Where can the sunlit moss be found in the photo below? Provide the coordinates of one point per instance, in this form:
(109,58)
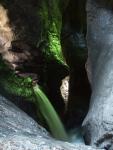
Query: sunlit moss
(54,43)
(51,22)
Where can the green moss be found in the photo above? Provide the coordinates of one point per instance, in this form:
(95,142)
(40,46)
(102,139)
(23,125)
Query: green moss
(13,84)
(51,22)
(54,43)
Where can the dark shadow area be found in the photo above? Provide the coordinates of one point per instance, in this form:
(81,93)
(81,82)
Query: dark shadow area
(76,53)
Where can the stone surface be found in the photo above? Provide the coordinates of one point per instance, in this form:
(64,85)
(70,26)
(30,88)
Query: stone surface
(98,124)
(20,132)
(64,89)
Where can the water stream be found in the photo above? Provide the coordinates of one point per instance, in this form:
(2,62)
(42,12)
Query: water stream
(49,114)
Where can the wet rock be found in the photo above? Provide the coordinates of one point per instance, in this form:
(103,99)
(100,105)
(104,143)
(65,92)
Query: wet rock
(19,131)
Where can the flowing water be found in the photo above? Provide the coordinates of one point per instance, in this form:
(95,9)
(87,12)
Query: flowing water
(49,114)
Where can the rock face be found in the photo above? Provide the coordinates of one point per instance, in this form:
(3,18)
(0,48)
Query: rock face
(19,131)
(98,124)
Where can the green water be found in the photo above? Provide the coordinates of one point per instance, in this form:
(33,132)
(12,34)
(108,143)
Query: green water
(49,114)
